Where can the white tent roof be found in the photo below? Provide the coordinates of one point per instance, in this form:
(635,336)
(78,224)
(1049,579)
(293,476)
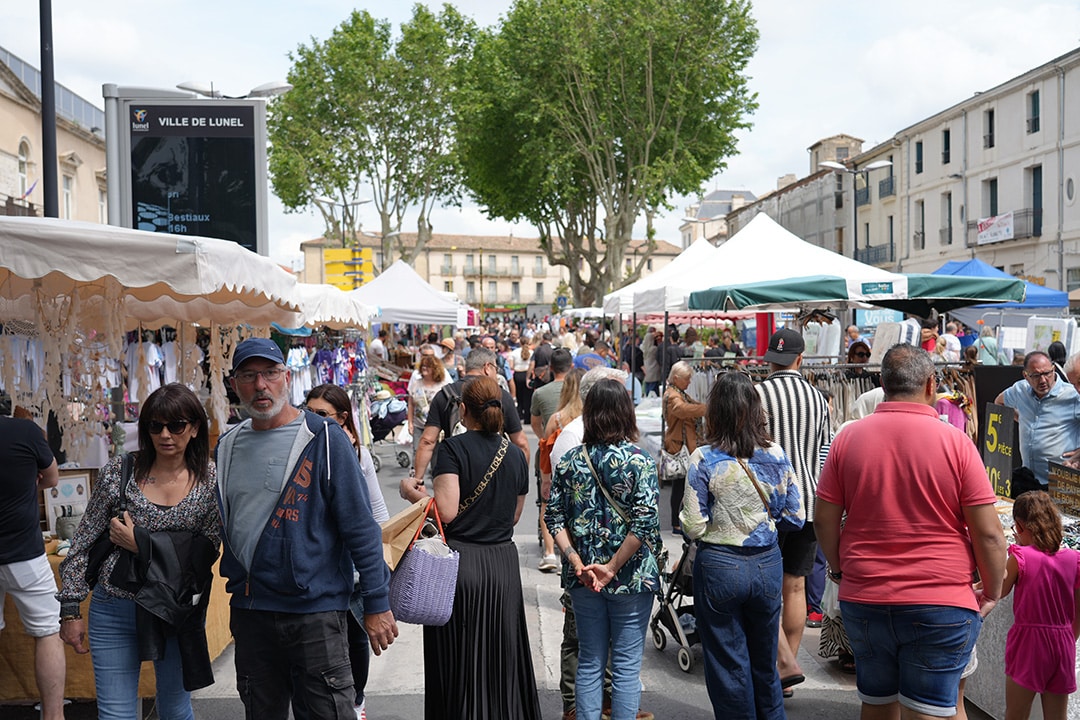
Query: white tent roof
(763,250)
(622,300)
(158,277)
(328,305)
(402,296)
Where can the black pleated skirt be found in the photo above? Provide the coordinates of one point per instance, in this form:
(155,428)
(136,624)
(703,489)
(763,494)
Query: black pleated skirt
(479,665)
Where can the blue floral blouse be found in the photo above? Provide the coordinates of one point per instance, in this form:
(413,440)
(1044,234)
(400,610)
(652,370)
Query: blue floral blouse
(722,507)
(596,529)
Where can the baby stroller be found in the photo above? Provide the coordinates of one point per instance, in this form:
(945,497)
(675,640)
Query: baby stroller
(388,412)
(675,614)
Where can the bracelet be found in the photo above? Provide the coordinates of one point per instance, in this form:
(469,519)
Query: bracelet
(69,618)
(836,575)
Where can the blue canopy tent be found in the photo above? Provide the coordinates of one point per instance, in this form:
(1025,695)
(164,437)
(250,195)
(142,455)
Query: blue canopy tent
(1038,300)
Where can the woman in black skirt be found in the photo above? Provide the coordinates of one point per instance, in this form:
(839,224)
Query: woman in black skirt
(479,666)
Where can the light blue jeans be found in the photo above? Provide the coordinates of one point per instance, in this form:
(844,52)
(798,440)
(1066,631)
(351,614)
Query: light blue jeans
(114,650)
(616,624)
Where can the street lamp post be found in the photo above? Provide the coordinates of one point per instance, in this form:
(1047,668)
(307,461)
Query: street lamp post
(322,201)
(854,172)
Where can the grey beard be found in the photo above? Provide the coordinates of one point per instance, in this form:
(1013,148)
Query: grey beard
(277,407)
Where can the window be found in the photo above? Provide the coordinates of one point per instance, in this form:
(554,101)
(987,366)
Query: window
(629,266)
(946,218)
(448,286)
(1016,269)
(470,263)
(493,263)
(470,291)
(892,236)
(493,290)
(67,189)
(102,207)
(946,151)
(648,264)
(24,167)
(918,157)
(1072,279)
(515,291)
(514,260)
(919,240)
(988,129)
(538,269)
(1033,112)
(540,292)
(990,197)
(447,259)
(842,152)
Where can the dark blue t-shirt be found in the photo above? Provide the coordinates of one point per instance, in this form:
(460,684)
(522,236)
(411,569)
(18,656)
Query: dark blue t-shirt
(23,452)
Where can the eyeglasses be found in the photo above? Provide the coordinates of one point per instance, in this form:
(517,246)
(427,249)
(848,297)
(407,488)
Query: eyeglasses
(324,413)
(1038,375)
(175,426)
(866,355)
(249,376)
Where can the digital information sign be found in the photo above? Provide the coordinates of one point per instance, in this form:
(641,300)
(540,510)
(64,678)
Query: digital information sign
(197,167)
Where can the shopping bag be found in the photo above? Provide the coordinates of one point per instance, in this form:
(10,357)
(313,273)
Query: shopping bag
(423,585)
(830,600)
(398,532)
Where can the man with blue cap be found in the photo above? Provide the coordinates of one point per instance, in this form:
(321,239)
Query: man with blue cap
(296,521)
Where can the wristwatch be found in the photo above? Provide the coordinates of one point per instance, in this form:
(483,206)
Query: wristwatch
(836,575)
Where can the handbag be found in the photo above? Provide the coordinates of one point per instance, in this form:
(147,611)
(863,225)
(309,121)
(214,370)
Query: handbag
(398,532)
(661,555)
(423,585)
(100,548)
(675,466)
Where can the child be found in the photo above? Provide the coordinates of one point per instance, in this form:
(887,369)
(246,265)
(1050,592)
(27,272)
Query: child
(1040,651)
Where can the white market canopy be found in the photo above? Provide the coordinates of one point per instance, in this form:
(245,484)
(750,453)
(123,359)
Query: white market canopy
(331,306)
(623,300)
(762,251)
(402,296)
(159,278)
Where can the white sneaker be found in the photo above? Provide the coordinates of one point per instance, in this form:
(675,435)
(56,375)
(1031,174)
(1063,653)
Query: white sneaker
(361,711)
(549,564)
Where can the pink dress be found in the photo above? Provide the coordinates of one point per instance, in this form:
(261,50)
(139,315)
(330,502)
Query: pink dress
(1040,651)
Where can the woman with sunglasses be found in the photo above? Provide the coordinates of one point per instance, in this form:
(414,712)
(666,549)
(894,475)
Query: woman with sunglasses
(171,488)
(859,354)
(332,402)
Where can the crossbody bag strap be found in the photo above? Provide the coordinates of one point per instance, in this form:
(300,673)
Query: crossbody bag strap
(504,445)
(756,484)
(614,503)
(127,469)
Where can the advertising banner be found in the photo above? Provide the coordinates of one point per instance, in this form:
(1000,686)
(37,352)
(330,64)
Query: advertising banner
(995,229)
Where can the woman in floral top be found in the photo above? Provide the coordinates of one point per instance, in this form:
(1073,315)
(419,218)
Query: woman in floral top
(609,571)
(171,488)
(739,488)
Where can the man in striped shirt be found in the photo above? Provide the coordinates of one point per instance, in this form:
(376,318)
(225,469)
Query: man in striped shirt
(798,418)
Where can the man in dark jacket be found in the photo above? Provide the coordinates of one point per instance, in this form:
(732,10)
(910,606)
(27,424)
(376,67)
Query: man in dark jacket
(291,576)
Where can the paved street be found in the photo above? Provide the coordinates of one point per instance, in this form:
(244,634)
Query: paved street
(396,685)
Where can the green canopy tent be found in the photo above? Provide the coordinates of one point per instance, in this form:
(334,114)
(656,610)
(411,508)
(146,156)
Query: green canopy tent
(916,294)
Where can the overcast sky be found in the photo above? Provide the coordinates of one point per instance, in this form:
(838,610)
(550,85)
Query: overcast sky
(823,67)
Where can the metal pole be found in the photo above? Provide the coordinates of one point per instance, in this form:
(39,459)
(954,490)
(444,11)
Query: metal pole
(633,344)
(48,112)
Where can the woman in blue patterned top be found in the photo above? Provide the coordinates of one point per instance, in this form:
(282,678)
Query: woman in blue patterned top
(609,571)
(739,488)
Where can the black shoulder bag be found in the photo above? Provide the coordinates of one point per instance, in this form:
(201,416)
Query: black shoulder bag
(103,545)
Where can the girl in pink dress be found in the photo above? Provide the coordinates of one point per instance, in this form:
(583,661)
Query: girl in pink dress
(1040,651)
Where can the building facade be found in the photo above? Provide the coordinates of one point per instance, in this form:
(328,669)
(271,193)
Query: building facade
(493,271)
(80,146)
(707,218)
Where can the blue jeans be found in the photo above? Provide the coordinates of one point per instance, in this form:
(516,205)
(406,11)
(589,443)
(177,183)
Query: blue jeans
(913,654)
(737,594)
(114,651)
(616,624)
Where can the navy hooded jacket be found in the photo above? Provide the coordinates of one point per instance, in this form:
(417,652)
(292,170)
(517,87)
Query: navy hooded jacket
(319,530)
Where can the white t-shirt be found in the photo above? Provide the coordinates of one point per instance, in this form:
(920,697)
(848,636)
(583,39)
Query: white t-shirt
(568,439)
(377,349)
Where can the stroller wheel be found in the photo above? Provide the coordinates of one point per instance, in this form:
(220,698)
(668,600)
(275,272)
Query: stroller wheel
(659,639)
(686,660)
(375,461)
(403,459)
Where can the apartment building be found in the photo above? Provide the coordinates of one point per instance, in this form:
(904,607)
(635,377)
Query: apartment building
(493,271)
(707,218)
(80,145)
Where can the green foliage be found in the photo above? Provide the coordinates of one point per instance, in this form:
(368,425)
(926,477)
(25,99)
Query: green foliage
(578,115)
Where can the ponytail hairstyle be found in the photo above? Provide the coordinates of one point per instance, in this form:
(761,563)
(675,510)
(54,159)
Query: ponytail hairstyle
(483,401)
(1039,516)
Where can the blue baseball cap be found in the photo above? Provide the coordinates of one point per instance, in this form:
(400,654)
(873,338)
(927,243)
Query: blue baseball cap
(256,348)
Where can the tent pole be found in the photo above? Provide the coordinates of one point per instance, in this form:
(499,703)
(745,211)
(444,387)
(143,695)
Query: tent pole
(632,339)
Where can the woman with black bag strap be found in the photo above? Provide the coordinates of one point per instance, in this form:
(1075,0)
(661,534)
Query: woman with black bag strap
(478,666)
(681,415)
(168,492)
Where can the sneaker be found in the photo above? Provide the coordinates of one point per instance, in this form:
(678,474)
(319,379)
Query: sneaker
(641,715)
(361,711)
(549,564)
(814,619)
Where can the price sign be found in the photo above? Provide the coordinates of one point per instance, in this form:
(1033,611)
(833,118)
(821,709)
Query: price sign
(997,449)
(1065,488)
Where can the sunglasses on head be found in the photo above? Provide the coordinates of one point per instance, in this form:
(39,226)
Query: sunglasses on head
(175,426)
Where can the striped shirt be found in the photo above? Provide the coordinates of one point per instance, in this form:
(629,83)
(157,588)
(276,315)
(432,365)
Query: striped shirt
(798,417)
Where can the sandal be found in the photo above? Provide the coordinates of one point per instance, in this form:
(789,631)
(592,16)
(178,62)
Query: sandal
(788,693)
(847,664)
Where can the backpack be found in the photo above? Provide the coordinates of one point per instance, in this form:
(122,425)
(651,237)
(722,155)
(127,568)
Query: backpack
(453,419)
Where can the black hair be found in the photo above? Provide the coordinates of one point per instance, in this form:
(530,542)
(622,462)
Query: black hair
(608,414)
(170,403)
(734,416)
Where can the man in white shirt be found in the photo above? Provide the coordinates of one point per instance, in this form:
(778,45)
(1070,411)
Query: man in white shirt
(377,348)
